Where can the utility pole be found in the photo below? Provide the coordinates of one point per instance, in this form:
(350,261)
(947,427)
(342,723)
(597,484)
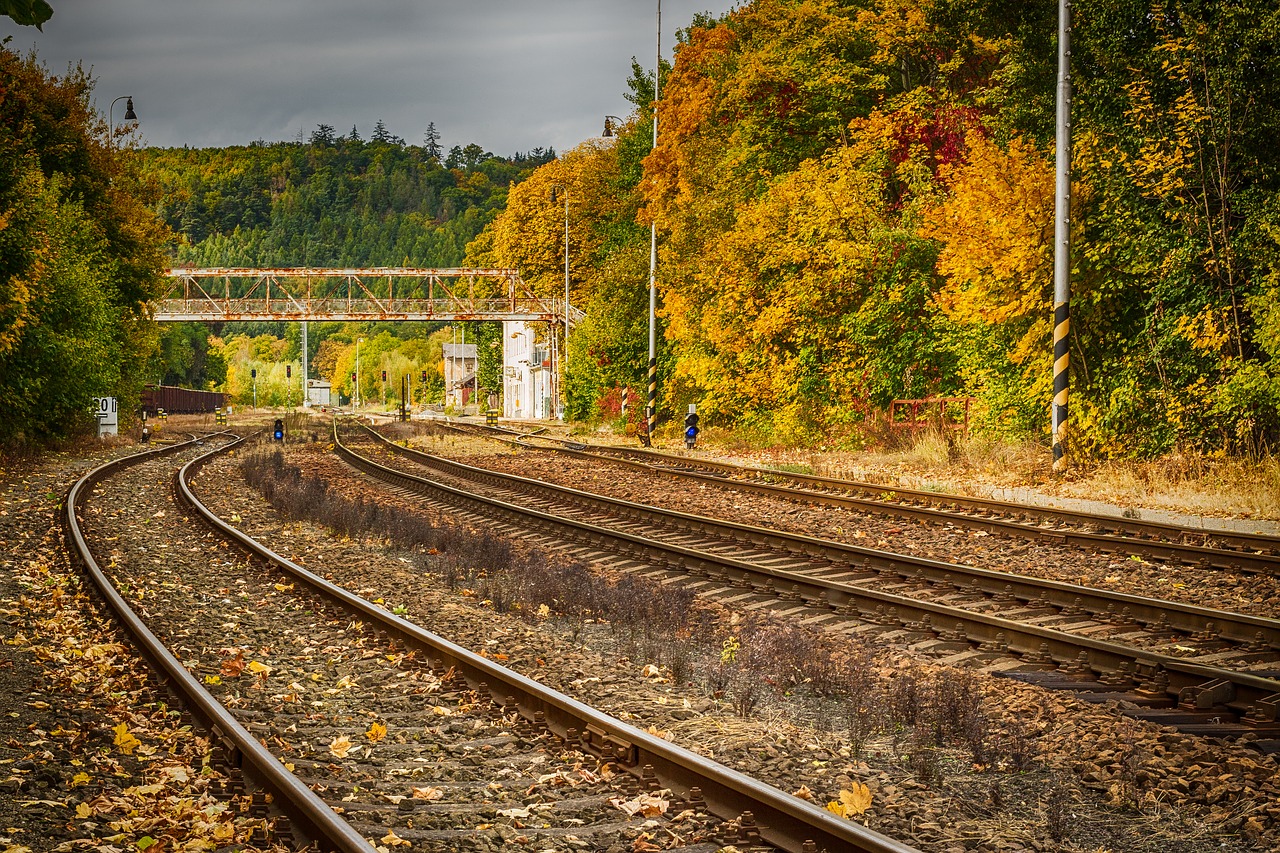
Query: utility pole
(306,398)
(1062,242)
(651,409)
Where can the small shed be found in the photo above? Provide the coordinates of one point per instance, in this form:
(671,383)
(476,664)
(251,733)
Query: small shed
(318,392)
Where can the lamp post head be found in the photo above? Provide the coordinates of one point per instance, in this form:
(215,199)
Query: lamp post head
(129,114)
(610,122)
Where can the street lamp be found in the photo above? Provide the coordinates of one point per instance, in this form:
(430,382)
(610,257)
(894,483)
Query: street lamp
(610,125)
(356,395)
(129,115)
(564,394)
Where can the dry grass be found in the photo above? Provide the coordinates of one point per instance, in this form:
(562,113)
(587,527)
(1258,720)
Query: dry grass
(1191,484)
(1196,485)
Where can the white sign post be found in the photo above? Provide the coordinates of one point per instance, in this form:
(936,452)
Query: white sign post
(108,415)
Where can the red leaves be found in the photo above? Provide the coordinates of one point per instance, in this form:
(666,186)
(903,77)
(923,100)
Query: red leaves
(232,667)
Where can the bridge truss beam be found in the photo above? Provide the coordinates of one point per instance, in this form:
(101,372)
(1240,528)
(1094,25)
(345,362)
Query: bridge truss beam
(365,294)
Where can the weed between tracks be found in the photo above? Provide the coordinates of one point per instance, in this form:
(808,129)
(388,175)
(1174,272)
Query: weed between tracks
(745,661)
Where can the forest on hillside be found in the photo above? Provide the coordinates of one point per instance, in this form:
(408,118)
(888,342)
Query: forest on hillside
(334,200)
(854,203)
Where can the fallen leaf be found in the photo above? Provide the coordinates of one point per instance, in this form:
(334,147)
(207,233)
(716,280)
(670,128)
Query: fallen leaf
(645,805)
(376,732)
(429,793)
(393,840)
(340,746)
(516,812)
(852,802)
(125,740)
(232,667)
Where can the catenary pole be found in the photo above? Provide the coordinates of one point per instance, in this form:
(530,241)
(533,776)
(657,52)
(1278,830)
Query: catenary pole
(306,398)
(652,408)
(1062,241)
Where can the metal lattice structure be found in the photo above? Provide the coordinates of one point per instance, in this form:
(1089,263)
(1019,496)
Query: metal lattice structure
(372,294)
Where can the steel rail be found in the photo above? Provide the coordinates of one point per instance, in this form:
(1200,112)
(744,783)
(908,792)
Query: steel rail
(785,821)
(1247,552)
(1196,686)
(1103,604)
(309,815)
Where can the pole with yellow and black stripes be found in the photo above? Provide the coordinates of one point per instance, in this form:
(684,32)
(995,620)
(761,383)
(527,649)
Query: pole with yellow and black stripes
(651,403)
(1062,242)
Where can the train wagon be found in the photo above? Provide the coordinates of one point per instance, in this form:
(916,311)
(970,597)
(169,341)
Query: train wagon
(180,401)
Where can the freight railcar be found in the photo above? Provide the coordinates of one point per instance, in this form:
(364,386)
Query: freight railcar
(180,401)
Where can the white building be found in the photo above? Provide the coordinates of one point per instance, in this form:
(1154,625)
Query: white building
(527,391)
(459,374)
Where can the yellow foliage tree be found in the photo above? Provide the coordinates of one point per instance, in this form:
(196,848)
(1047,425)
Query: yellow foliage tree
(995,228)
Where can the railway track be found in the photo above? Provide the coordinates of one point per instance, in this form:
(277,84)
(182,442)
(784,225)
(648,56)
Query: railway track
(1196,546)
(364,728)
(1178,664)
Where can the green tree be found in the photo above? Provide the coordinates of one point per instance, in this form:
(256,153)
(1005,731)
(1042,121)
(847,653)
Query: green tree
(79,256)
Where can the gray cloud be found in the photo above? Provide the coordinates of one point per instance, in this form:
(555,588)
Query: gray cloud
(509,75)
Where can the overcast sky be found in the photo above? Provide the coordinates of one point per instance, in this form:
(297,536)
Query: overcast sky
(509,75)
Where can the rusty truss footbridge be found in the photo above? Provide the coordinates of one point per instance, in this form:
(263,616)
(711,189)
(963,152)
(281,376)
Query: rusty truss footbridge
(373,294)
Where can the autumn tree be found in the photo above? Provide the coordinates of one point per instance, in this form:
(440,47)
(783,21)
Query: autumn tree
(79,256)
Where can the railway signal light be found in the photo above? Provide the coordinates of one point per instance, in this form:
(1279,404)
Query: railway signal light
(384,376)
(253,373)
(288,371)
(278,432)
(424,376)
(691,427)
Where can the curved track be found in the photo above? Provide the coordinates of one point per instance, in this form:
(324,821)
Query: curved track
(490,709)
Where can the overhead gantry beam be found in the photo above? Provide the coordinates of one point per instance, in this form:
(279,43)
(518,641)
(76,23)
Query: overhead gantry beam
(359,294)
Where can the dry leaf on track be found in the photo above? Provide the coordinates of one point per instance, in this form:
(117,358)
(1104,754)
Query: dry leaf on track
(646,805)
(340,746)
(852,802)
(125,740)
(429,793)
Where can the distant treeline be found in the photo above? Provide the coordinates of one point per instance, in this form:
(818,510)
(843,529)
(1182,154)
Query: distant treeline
(332,200)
